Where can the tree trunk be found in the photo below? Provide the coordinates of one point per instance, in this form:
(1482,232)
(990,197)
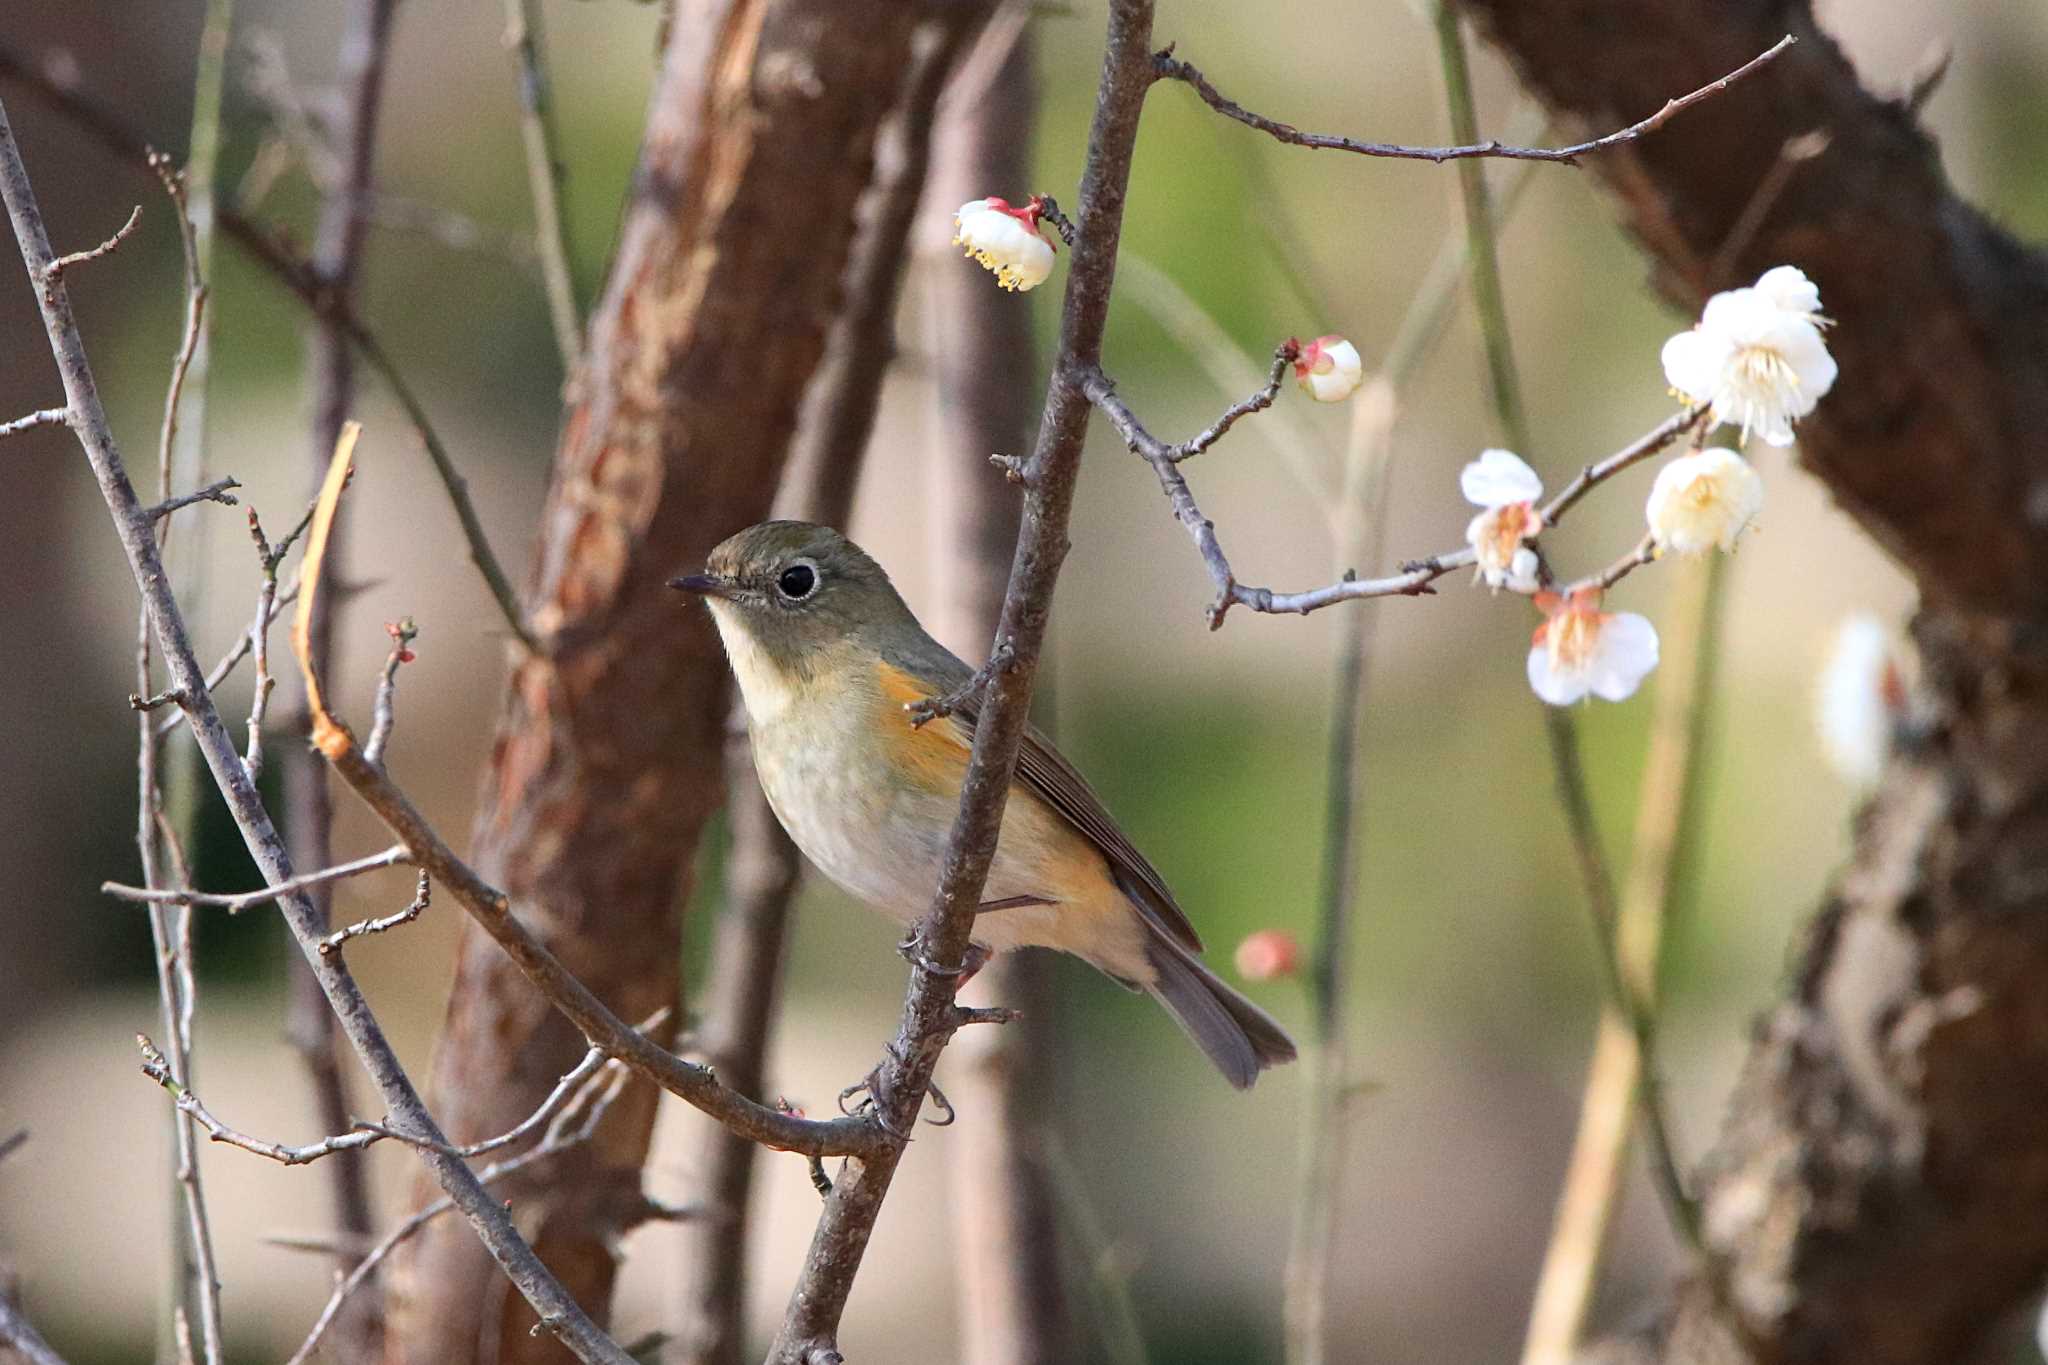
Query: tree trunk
(606,762)
(1869,1200)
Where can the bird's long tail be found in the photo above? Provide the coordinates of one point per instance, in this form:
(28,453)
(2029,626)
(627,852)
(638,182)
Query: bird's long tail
(1239,1037)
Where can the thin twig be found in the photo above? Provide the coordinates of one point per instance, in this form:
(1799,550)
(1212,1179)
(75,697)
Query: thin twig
(383,711)
(53,270)
(1211,346)
(544,174)
(188,344)
(362,1133)
(47,417)
(217,491)
(598,1092)
(1635,452)
(422,897)
(13,1143)
(259,645)
(1171,68)
(239,901)
(299,276)
(239,651)
(194,1272)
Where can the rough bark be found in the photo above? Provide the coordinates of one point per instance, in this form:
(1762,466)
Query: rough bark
(1866,1201)
(606,761)
(1012,1309)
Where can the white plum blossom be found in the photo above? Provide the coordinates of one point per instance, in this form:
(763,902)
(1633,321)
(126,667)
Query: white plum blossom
(1582,651)
(1329,369)
(1506,488)
(1756,358)
(1005,240)
(1861,700)
(1703,500)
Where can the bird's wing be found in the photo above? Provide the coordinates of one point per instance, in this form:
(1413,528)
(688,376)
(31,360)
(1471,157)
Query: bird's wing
(1048,776)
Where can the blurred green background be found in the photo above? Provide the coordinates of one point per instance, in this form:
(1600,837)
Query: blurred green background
(1476,984)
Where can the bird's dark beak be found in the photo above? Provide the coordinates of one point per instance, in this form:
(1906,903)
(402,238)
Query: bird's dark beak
(703,584)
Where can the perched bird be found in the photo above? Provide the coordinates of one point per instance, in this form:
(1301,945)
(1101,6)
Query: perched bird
(829,659)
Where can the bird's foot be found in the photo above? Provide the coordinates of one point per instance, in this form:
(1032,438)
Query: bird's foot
(872,1095)
(976,958)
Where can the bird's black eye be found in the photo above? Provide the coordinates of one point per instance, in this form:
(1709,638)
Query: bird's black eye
(797,582)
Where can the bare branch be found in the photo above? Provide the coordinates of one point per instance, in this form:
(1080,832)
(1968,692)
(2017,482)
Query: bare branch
(1636,451)
(597,1093)
(363,1134)
(217,491)
(20,1338)
(260,835)
(1171,68)
(304,281)
(240,650)
(422,896)
(544,173)
(53,270)
(48,417)
(403,632)
(1415,576)
(242,900)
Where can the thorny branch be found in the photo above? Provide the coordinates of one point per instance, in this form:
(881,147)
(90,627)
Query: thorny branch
(1170,67)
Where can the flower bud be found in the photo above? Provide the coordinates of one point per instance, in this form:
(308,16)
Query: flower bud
(1005,240)
(1329,370)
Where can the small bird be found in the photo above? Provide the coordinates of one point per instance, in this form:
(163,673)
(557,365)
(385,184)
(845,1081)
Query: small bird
(830,662)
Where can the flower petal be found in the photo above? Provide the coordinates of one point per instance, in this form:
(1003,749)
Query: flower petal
(1558,686)
(1498,478)
(1626,654)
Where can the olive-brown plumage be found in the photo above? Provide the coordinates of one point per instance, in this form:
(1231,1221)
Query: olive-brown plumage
(828,658)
